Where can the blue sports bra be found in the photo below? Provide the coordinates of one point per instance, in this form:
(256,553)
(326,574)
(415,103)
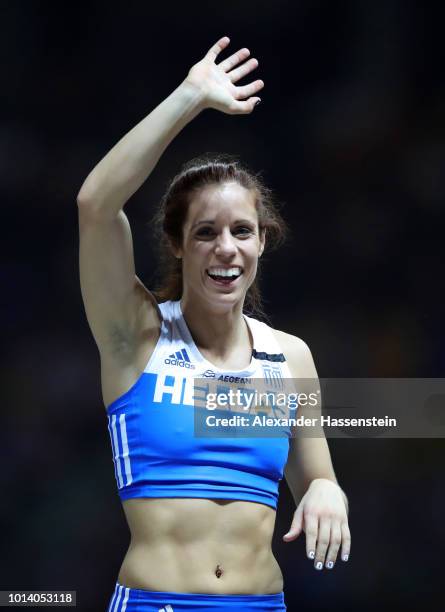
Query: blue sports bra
(155,450)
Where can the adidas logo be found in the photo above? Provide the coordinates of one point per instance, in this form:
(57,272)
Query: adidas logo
(181,359)
(166,608)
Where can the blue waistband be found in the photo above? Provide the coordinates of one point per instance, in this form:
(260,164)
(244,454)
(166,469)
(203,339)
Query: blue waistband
(125,599)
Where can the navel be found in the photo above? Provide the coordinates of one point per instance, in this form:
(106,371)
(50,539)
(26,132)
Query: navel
(218,572)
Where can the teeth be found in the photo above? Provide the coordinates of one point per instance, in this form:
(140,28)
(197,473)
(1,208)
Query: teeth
(236,271)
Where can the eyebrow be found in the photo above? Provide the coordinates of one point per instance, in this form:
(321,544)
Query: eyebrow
(211,222)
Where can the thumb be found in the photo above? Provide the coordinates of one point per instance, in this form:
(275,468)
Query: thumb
(296,527)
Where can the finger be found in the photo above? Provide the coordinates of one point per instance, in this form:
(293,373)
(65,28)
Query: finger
(234,59)
(245,107)
(296,527)
(241,93)
(214,51)
(345,541)
(324,534)
(334,544)
(311,530)
(240,72)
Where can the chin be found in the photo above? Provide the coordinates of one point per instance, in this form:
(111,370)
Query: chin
(225,301)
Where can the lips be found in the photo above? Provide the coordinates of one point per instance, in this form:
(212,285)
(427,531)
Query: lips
(223,281)
(224,270)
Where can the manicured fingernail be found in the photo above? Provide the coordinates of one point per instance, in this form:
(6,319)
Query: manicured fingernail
(319,565)
(330,564)
(311,554)
(345,557)
(257,102)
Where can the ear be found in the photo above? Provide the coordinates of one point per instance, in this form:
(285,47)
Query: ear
(176,251)
(262,241)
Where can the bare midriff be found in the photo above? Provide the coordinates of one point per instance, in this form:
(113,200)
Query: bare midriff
(200,546)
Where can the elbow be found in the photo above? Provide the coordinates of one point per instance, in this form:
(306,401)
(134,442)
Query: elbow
(82,199)
(87,198)
(92,208)
(91,205)
(92,192)
(97,199)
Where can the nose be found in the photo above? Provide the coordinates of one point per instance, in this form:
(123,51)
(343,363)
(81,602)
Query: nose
(225,244)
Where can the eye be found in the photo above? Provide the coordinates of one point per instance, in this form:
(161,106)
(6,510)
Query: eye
(243,230)
(204,232)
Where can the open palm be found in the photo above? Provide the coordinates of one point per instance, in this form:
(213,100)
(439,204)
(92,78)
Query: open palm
(216,82)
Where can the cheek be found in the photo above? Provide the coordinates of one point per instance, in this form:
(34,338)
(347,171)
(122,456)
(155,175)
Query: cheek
(253,250)
(195,255)
(254,267)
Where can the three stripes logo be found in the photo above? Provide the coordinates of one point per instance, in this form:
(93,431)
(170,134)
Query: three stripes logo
(120,599)
(180,358)
(121,454)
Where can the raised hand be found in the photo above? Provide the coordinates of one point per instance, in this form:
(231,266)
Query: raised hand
(216,82)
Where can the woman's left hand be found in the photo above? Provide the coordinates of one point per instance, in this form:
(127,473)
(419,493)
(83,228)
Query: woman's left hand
(322,515)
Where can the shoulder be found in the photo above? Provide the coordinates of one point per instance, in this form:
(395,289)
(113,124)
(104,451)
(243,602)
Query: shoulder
(297,354)
(289,341)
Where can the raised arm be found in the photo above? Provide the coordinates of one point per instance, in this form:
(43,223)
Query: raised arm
(116,302)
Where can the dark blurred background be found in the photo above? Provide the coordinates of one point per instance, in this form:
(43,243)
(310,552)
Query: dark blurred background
(351,137)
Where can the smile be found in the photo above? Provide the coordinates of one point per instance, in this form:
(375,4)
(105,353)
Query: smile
(224,276)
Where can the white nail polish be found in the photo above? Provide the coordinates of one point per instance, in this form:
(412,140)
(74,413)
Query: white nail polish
(319,565)
(311,554)
(345,557)
(330,564)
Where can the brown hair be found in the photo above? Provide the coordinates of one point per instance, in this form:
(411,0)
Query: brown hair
(168,222)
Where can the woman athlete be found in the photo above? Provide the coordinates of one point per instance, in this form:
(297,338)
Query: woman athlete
(201,513)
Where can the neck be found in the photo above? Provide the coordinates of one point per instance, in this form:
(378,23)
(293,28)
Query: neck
(214,329)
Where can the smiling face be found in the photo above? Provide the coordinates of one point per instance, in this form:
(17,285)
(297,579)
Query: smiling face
(221,245)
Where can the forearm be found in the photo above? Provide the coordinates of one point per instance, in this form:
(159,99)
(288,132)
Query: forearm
(309,460)
(129,163)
